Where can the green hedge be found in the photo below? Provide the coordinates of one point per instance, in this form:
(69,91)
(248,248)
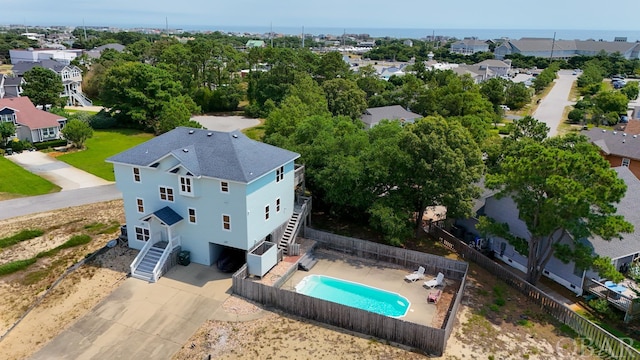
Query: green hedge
(17,265)
(50,144)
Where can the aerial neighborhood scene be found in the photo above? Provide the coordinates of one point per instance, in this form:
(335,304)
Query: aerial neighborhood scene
(319,181)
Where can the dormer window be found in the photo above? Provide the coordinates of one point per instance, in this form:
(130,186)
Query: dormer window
(186,186)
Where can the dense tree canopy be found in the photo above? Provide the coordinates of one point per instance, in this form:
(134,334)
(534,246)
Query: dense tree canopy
(561,186)
(77,132)
(43,87)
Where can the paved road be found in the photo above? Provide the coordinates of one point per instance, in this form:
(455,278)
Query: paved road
(35,204)
(552,106)
(225,123)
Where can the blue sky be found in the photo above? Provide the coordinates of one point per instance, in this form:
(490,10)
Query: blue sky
(420,14)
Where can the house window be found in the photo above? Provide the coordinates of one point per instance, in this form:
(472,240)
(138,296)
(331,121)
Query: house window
(226,222)
(192,215)
(142,234)
(626,162)
(140,204)
(185,185)
(278,205)
(136,174)
(48,132)
(224,186)
(166,193)
(280,174)
(266,212)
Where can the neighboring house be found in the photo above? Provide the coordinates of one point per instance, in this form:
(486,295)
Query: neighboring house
(34,55)
(71,76)
(469,46)
(565,49)
(255,44)
(485,70)
(205,191)
(10,87)
(617,147)
(373,116)
(96,52)
(32,124)
(498,68)
(620,251)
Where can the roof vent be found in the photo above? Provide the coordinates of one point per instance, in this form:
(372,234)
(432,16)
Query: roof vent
(209,133)
(624,134)
(190,131)
(235,136)
(603,130)
(623,140)
(635,136)
(615,132)
(185,150)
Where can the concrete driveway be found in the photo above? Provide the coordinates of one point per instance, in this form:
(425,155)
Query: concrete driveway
(225,123)
(58,172)
(551,108)
(140,320)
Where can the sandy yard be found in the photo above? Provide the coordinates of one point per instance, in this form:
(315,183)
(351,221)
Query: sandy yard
(515,330)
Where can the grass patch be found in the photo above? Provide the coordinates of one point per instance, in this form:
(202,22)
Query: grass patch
(103,144)
(19,237)
(525,323)
(16,180)
(75,240)
(100,228)
(75,111)
(255,132)
(11,267)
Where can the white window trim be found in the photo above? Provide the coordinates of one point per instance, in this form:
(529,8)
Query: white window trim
(188,183)
(223,222)
(146,233)
(138,206)
(267,210)
(173,194)
(280,174)
(224,184)
(195,216)
(627,161)
(139,180)
(278,205)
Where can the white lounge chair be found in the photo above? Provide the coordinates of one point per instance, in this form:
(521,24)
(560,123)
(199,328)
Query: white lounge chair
(416,275)
(437,281)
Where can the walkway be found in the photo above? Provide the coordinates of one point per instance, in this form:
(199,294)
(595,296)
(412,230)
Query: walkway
(551,108)
(56,171)
(140,320)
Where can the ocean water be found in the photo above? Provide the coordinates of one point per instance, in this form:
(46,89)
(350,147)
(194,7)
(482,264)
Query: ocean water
(565,34)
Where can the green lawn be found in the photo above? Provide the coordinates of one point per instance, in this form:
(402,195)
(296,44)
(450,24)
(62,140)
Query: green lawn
(14,180)
(103,144)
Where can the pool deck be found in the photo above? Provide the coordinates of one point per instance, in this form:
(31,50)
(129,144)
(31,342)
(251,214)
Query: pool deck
(380,275)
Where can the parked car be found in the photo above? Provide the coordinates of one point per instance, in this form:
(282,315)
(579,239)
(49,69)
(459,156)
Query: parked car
(504,107)
(624,119)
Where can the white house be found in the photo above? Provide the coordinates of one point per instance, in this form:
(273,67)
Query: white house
(70,75)
(204,191)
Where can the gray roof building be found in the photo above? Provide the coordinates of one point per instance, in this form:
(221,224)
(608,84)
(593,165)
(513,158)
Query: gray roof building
(562,49)
(372,116)
(628,207)
(615,142)
(221,155)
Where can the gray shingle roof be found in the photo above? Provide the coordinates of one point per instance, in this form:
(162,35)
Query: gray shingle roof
(222,155)
(615,142)
(23,66)
(628,207)
(167,215)
(373,116)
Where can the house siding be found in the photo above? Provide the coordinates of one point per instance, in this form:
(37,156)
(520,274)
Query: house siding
(615,161)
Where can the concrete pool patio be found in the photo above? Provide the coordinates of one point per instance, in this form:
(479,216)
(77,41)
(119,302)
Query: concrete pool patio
(379,275)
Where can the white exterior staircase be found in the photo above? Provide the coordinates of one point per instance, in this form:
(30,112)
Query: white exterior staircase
(151,258)
(289,234)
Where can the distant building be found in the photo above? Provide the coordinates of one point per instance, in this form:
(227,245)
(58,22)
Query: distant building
(255,44)
(565,49)
(34,55)
(469,46)
(373,116)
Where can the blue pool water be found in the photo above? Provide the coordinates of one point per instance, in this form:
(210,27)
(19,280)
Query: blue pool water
(354,294)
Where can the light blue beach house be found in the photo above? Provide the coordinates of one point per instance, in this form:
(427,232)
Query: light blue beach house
(204,191)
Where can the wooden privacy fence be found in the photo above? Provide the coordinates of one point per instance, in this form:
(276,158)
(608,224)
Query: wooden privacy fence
(593,334)
(410,259)
(427,339)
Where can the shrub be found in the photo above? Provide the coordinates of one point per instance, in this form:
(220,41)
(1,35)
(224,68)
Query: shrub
(50,144)
(102,120)
(76,240)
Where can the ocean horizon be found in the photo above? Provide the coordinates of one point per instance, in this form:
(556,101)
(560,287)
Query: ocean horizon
(403,33)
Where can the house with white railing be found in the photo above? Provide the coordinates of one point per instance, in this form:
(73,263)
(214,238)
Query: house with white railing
(70,75)
(206,192)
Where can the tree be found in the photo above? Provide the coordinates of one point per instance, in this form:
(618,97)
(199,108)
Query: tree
(7,129)
(611,101)
(175,113)
(561,186)
(494,90)
(345,98)
(43,87)
(77,132)
(440,165)
(630,90)
(517,95)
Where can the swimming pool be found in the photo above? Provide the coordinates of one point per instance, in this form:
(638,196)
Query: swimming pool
(354,294)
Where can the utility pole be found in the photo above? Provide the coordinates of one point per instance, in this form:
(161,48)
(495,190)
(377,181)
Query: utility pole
(85,30)
(553,44)
(166,24)
(271,34)
(303,37)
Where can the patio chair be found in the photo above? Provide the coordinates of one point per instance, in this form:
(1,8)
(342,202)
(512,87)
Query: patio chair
(437,281)
(434,296)
(416,275)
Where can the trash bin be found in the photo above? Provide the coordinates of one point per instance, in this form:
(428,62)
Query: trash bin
(8,151)
(184,258)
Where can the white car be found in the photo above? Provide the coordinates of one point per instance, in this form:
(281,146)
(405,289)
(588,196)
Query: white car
(504,107)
